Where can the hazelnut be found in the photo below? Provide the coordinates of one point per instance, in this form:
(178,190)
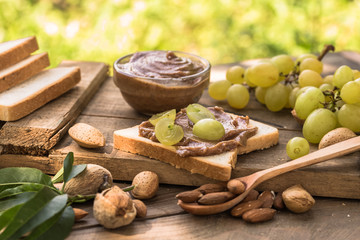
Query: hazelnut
(92,180)
(114,208)
(146,185)
(297,199)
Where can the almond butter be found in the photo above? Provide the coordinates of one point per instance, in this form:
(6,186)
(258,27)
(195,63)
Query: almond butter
(216,198)
(211,187)
(236,186)
(141,209)
(259,215)
(189,196)
(268,198)
(243,207)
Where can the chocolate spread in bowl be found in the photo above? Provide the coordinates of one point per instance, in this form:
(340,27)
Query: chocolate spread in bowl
(237,131)
(162,66)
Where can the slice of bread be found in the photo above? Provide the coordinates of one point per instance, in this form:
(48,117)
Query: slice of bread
(216,167)
(30,95)
(21,71)
(12,52)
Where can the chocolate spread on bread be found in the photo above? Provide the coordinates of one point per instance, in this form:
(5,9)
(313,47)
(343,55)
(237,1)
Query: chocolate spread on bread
(161,64)
(237,131)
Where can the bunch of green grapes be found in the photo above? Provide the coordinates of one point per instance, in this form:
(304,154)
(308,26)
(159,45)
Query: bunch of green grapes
(335,103)
(232,89)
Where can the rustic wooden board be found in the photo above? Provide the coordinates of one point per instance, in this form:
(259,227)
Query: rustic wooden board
(108,112)
(41,130)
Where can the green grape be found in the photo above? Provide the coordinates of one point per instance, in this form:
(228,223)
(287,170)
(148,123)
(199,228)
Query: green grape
(209,129)
(292,96)
(357,80)
(350,92)
(250,84)
(304,56)
(260,94)
(289,88)
(276,97)
(356,73)
(310,78)
(196,112)
(167,132)
(318,123)
(235,74)
(349,117)
(326,86)
(301,91)
(342,75)
(167,114)
(311,64)
(308,101)
(297,147)
(263,74)
(217,90)
(238,96)
(328,79)
(284,63)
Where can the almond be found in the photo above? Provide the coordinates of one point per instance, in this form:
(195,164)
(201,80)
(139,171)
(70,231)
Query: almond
(243,207)
(216,198)
(87,136)
(252,195)
(259,215)
(189,196)
(268,198)
(211,187)
(278,202)
(236,186)
(79,214)
(141,209)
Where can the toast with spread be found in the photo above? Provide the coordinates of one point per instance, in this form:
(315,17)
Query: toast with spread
(213,159)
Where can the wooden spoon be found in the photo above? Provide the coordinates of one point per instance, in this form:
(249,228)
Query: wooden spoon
(251,181)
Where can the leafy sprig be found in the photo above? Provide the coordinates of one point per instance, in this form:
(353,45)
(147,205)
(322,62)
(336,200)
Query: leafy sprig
(32,207)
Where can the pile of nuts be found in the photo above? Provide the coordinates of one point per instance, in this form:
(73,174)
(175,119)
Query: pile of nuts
(255,207)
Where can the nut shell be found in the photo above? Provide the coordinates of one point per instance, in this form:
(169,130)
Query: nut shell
(297,199)
(87,136)
(335,136)
(146,185)
(114,208)
(91,181)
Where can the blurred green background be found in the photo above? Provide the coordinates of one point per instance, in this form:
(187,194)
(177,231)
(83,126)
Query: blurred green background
(222,31)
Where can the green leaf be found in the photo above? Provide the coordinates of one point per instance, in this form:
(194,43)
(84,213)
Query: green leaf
(31,187)
(76,170)
(16,200)
(52,208)
(8,215)
(10,177)
(68,165)
(28,210)
(62,228)
(58,178)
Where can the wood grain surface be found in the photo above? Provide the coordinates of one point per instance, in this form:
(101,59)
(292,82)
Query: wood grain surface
(38,132)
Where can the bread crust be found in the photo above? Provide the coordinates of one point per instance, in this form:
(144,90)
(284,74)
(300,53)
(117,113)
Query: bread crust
(18,52)
(23,70)
(41,97)
(216,167)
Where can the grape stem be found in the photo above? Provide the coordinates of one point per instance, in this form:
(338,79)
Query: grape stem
(327,48)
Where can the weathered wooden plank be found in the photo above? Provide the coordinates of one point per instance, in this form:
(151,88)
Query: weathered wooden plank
(41,130)
(328,219)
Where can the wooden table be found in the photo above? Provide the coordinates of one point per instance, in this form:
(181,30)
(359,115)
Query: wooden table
(330,218)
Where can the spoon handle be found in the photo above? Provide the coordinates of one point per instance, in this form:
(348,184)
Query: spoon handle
(332,151)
